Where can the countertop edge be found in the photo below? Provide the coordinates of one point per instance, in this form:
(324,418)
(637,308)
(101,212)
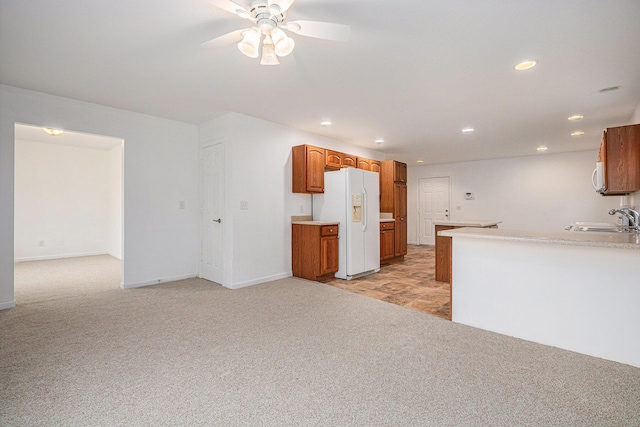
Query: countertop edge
(480,223)
(315,222)
(559,238)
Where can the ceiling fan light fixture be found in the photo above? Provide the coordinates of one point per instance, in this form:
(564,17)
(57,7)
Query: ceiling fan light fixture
(283,44)
(269,56)
(250,43)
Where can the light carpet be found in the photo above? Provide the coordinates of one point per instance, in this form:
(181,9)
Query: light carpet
(290,352)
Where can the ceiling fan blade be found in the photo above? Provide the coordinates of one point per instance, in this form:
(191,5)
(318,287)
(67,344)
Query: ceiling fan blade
(224,40)
(228,5)
(284,5)
(320,30)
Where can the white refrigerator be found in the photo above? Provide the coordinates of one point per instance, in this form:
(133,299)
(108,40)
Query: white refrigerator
(352,196)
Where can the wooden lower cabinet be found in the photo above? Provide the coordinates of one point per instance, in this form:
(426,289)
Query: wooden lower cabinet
(314,251)
(387,241)
(443,255)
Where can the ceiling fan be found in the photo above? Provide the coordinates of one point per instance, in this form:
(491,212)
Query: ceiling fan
(269,19)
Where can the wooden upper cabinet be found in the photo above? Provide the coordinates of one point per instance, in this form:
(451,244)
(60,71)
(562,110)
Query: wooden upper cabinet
(399,172)
(333,160)
(308,169)
(349,161)
(364,164)
(620,154)
(375,166)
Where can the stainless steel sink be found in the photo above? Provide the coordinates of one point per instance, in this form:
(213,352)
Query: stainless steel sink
(598,227)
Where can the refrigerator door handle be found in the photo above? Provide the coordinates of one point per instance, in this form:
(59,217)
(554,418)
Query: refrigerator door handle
(365,213)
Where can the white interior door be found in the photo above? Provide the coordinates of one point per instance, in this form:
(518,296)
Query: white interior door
(433,205)
(212,201)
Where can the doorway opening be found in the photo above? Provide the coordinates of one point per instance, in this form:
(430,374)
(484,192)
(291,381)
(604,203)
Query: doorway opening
(68,212)
(434,195)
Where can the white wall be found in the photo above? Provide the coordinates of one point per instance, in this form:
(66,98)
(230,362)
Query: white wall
(61,200)
(258,170)
(114,195)
(160,168)
(544,192)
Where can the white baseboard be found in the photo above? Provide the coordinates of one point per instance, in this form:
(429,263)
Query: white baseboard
(60,256)
(258,281)
(7,305)
(157,281)
(116,256)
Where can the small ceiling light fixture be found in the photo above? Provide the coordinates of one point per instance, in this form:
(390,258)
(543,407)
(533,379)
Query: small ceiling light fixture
(525,65)
(609,89)
(325,123)
(576,117)
(542,148)
(467,130)
(53,132)
(379,141)
(577,133)
(419,161)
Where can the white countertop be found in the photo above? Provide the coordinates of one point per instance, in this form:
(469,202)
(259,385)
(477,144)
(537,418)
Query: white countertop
(573,238)
(315,222)
(387,220)
(474,223)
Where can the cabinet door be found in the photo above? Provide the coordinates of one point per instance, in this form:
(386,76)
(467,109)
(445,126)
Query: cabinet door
(315,169)
(622,159)
(375,166)
(364,163)
(333,160)
(328,255)
(349,161)
(400,172)
(400,214)
(387,244)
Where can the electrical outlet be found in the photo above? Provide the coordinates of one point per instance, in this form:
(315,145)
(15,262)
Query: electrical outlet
(61,242)
(244,205)
(458,208)
(301,208)
(181,204)
(41,243)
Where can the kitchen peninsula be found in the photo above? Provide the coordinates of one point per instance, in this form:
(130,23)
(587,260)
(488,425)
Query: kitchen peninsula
(578,291)
(443,244)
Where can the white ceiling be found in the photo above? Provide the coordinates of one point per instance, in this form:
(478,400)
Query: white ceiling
(413,72)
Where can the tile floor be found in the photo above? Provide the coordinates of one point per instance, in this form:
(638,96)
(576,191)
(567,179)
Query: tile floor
(410,283)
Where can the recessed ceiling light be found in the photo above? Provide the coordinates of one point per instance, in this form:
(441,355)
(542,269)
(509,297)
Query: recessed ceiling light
(419,161)
(467,130)
(542,148)
(525,65)
(609,89)
(379,141)
(577,133)
(576,117)
(53,132)
(325,123)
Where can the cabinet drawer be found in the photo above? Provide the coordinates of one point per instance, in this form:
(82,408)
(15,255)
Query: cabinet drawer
(387,225)
(329,230)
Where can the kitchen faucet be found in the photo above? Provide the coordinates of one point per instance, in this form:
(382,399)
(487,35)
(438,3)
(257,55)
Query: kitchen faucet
(631,214)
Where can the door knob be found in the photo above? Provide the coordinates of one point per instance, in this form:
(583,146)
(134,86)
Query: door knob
(219,220)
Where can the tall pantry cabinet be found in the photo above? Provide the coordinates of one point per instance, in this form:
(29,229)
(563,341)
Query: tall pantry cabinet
(393,198)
